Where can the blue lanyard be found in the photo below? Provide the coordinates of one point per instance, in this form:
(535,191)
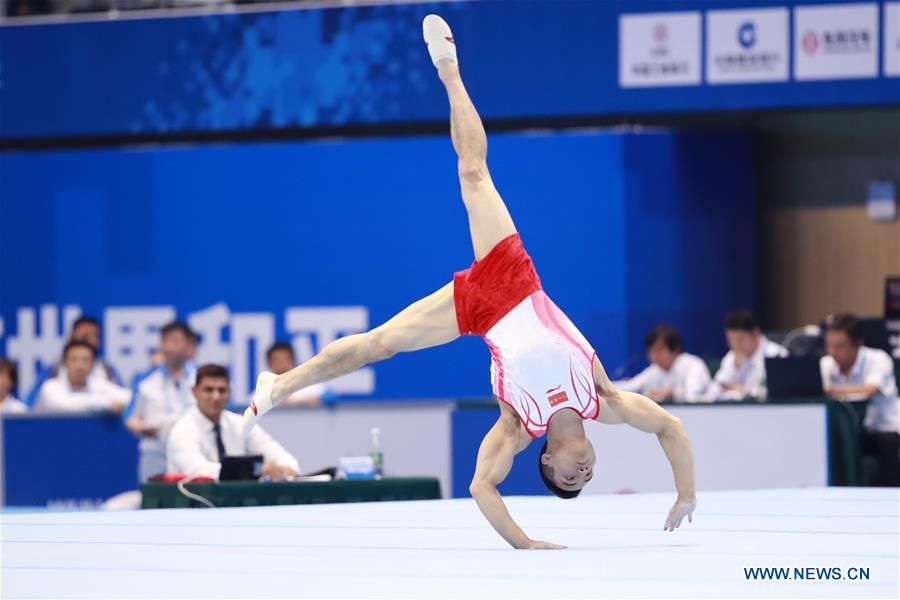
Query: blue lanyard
(189,369)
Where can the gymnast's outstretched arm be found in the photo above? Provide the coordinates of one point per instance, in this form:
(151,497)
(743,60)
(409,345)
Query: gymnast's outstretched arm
(644,414)
(495,458)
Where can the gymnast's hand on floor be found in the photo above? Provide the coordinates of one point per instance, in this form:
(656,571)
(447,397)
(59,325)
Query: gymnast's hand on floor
(539,545)
(683,507)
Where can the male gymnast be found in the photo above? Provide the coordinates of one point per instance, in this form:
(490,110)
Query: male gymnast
(544,373)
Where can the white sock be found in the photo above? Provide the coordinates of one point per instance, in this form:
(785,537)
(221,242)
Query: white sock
(261,402)
(439,39)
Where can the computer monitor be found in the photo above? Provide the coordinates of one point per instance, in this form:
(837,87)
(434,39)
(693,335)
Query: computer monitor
(875,334)
(793,377)
(241,468)
(892,298)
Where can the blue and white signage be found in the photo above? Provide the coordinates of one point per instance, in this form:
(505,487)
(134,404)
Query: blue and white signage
(891,60)
(836,41)
(659,49)
(747,46)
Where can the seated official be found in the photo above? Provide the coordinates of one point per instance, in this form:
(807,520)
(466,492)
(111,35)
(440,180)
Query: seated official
(673,373)
(743,370)
(207,432)
(8,379)
(74,390)
(864,377)
(84,329)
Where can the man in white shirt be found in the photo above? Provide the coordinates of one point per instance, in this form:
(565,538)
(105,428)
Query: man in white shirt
(8,380)
(73,390)
(673,373)
(207,432)
(864,376)
(84,329)
(743,370)
(161,396)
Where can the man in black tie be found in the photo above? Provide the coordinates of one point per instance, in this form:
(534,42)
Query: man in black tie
(207,432)
(220,445)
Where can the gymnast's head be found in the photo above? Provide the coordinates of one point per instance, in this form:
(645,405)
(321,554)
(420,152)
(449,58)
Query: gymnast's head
(567,467)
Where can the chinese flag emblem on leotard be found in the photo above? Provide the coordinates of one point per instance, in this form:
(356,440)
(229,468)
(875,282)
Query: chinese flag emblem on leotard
(558,398)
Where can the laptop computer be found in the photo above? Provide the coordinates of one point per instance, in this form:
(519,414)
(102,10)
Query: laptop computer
(793,377)
(241,468)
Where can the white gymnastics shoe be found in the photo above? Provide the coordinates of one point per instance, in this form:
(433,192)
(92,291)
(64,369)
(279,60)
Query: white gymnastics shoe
(439,39)
(262,400)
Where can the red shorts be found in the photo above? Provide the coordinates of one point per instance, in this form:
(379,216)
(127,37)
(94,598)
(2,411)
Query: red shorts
(493,286)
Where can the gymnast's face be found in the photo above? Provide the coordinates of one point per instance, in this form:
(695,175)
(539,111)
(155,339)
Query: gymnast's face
(572,464)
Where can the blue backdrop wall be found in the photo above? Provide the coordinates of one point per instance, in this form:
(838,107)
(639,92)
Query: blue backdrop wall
(625,229)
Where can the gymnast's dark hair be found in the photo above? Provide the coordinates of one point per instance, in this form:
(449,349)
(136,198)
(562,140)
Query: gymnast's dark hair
(546,472)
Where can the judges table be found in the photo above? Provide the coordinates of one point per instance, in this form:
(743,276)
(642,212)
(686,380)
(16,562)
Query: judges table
(253,493)
(742,445)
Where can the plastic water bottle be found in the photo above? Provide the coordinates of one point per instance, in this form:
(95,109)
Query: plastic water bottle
(376,453)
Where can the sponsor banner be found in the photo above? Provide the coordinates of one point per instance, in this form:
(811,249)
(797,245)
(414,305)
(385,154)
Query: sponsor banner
(837,41)
(891,60)
(747,45)
(659,49)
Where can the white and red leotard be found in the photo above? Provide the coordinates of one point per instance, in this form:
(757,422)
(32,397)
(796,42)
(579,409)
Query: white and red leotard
(540,362)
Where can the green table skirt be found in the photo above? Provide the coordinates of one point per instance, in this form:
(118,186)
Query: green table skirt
(252,493)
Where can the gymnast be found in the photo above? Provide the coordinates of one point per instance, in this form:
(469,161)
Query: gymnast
(546,376)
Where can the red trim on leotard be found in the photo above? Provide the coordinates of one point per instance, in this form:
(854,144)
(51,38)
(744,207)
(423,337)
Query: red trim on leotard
(498,360)
(525,421)
(544,309)
(503,394)
(594,384)
(575,389)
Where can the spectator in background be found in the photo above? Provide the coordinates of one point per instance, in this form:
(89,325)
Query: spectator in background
(281,359)
(161,396)
(864,376)
(84,329)
(673,373)
(9,378)
(207,432)
(74,390)
(743,370)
